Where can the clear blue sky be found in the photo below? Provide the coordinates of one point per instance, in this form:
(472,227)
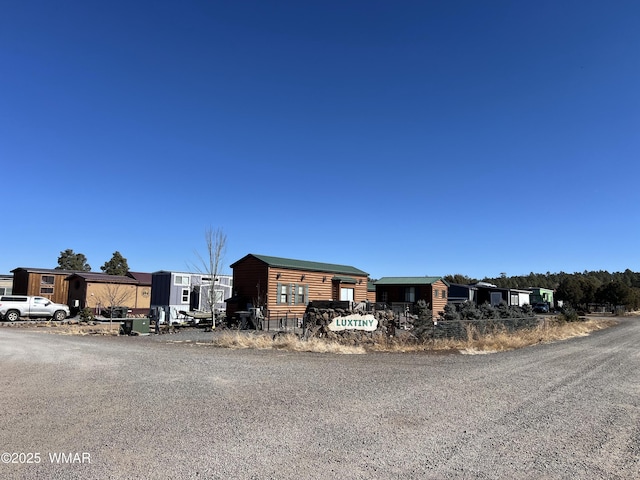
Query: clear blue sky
(400,137)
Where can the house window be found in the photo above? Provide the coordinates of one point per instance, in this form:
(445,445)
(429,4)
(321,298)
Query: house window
(444,294)
(46,284)
(301,298)
(181,280)
(384,297)
(185,295)
(435,294)
(283,294)
(346,294)
(410,294)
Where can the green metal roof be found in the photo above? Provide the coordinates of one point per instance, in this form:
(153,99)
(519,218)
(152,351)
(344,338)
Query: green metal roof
(305,265)
(409,281)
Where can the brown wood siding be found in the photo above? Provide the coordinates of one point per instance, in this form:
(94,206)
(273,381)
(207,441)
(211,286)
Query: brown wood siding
(247,276)
(319,286)
(316,289)
(60,286)
(440,301)
(371,296)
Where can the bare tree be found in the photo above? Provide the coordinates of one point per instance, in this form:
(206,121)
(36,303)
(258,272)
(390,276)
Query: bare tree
(115,295)
(211,265)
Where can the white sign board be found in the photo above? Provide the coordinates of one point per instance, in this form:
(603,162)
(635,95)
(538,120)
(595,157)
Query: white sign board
(366,322)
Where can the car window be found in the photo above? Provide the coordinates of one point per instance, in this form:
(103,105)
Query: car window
(13,299)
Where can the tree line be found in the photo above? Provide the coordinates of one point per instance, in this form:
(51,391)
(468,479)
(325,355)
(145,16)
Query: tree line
(580,290)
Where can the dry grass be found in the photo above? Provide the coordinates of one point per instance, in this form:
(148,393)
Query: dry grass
(546,333)
(289,343)
(77,328)
(497,341)
(500,340)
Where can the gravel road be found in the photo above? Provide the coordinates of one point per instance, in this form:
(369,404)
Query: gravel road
(142,407)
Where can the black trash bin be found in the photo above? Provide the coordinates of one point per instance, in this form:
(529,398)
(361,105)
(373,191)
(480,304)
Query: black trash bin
(116,312)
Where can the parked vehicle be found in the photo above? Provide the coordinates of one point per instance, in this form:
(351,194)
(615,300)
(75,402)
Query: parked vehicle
(541,307)
(12,307)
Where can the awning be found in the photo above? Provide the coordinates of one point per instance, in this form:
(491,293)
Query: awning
(344,280)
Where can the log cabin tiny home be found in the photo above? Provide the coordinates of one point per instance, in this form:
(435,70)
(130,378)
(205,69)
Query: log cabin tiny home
(285,286)
(42,282)
(403,292)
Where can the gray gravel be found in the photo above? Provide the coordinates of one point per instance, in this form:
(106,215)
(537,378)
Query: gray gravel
(145,407)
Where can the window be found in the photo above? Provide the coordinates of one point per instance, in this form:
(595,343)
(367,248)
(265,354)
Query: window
(185,295)
(284,298)
(13,299)
(435,294)
(219,296)
(410,294)
(346,294)
(46,284)
(384,297)
(496,298)
(181,280)
(300,298)
(444,294)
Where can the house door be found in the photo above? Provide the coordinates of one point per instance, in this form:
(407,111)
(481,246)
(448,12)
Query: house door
(194,301)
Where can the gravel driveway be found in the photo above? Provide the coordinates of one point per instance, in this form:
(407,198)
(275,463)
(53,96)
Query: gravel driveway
(137,407)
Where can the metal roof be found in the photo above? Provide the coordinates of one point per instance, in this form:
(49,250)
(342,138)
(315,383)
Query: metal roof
(141,277)
(57,271)
(104,278)
(304,265)
(409,281)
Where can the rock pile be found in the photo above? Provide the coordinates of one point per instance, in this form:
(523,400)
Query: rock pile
(316,322)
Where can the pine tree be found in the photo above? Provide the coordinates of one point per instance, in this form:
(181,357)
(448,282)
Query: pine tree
(68,260)
(116,266)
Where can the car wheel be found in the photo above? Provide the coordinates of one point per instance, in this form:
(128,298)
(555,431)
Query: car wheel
(12,316)
(59,315)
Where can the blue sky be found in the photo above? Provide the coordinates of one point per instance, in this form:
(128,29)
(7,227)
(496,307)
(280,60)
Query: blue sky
(400,137)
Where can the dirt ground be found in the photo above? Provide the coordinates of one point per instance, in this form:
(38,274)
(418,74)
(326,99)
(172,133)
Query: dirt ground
(167,407)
